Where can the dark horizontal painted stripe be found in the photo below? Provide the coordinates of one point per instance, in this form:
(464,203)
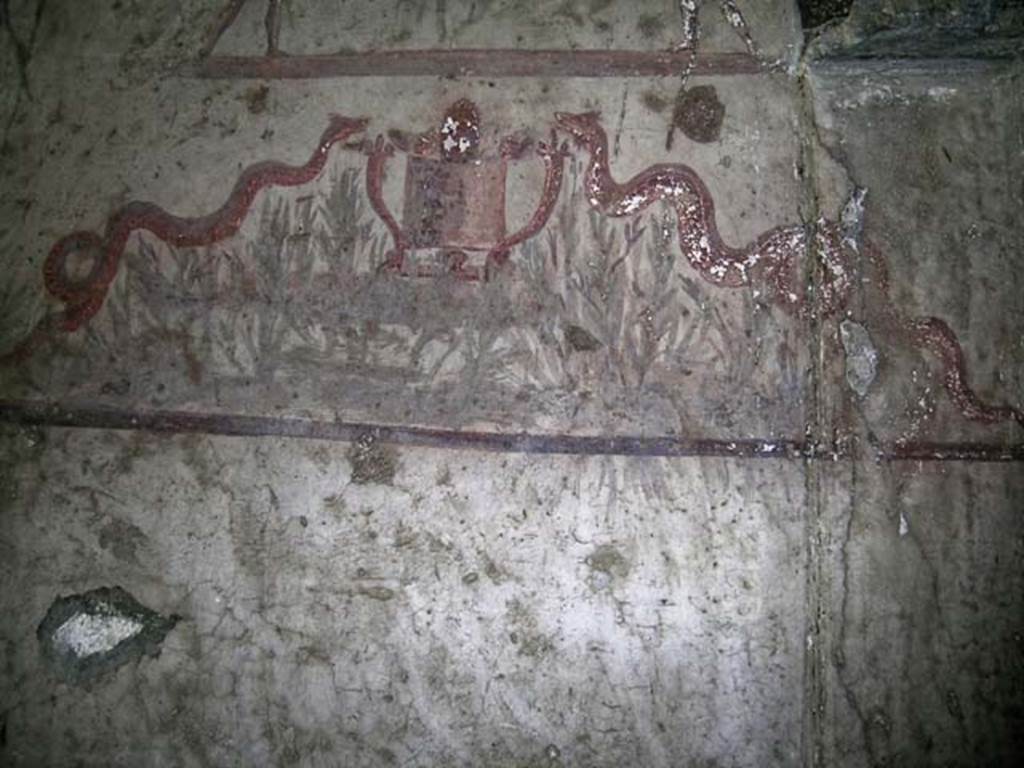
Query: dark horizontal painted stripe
(952,452)
(41,414)
(476,63)
(30,413)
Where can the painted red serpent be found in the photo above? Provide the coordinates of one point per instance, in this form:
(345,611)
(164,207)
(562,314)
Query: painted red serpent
(83,297)
(772,260)
(935,335)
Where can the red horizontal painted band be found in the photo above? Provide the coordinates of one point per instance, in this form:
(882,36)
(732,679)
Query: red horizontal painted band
(476,63)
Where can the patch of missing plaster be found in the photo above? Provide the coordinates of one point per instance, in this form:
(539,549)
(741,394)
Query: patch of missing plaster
(851,220)
(814,13)
(948,29)
(524,631)
(89,635)
(122,539)
(606,565)
(372,462)
(581,340)
(872,93)
(86,634)
(699,113)
(256,99)
(861,356)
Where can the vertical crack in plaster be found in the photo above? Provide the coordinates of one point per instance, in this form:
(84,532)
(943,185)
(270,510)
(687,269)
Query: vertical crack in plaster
(814,664)
(839,655)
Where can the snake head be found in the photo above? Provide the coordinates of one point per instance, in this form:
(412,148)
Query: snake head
(340,127)
(584,127)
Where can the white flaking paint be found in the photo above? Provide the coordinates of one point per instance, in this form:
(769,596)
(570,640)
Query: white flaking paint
(87,634)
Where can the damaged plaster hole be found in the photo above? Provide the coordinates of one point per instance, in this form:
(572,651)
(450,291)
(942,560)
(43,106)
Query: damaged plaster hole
(89,635)
(581,340)
(372,461)
(699,113)
(861,356)
(851,219)
(814,13)
(606,565)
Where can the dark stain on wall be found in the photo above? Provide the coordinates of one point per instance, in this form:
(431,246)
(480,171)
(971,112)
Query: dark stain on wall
(699,113)
(814,13)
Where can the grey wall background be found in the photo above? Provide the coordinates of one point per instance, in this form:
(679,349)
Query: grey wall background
(372,605)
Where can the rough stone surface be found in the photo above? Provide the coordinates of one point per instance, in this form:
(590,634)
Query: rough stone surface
(814,13)
(915,28)
(360,637)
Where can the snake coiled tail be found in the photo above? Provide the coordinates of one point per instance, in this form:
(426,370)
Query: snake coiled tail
(935,335)
(83,296)
(776,260)
(773,259)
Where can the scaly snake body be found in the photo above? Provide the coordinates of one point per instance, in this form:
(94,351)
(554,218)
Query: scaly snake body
(774,259)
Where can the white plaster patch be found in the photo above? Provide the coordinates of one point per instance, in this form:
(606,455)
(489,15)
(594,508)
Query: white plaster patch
(904,528)
(941,93)
(852,218)
(87,634)
(873,95)
(861,356)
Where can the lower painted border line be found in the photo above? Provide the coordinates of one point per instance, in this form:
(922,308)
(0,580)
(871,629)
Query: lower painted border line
(30,413)
(43,414)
